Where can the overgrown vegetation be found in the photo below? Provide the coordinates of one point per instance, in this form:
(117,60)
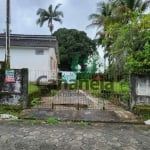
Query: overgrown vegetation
(143,112)
(10,109)
(124,31)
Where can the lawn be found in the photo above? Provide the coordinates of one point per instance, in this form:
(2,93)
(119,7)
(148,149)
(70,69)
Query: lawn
(32,88)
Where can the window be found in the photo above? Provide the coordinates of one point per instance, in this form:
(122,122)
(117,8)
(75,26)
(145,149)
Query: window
(39,52)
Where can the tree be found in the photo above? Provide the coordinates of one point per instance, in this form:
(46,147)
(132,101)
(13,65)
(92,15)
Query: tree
(122,33)
(50,15)
(102,18)
(128,41)
(124,9)
(74,47)
(139,62)
(131,5)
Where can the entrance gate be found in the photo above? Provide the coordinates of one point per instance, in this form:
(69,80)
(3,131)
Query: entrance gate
(87,92)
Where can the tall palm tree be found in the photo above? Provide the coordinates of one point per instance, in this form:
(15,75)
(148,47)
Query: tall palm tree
(132,5)
(50,15)
(124,8)
(102,17)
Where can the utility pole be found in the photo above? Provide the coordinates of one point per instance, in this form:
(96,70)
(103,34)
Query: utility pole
(7,52)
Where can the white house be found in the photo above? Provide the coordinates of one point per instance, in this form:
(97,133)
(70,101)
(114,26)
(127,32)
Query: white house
(38,53)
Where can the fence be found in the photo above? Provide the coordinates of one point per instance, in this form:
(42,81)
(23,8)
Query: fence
(90,92)
(140,90)
(14,87)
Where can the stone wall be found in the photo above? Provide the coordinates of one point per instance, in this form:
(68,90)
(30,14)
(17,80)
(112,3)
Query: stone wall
(14,92)
(140,89)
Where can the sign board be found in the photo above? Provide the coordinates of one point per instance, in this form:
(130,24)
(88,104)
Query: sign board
(68,77)
(9,76)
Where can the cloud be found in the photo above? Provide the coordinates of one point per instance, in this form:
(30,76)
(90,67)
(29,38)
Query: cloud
(23,15)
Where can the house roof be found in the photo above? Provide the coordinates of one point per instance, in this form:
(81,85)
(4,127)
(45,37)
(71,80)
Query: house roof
(18,40)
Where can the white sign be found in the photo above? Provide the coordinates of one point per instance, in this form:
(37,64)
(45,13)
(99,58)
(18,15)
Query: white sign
(68,77)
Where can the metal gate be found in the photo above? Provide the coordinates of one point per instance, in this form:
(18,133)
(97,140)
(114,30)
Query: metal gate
(88,91)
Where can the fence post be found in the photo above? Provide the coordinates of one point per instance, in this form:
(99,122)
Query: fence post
(24,88)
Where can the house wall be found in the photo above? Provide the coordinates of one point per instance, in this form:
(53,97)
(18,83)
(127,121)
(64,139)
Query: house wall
(37,60)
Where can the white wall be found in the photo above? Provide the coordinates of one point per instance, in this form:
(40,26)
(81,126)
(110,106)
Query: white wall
(38,65)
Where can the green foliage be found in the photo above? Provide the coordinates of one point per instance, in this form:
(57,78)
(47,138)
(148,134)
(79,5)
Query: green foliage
(74,47)
(53,92)
(52,121)
(10,109)
(33,95)
(33,122)
(126,30)
(32,88)
(35,101)
(139,62)
(49,15)
(143,112)
(83,123)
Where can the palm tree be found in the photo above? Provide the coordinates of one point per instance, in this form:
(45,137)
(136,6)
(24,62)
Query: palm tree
(50,15)
(132,5)
(124,8)
(103,15)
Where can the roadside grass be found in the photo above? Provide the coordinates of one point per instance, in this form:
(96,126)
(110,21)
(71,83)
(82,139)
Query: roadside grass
(83,123)
(52,121)
(11,110)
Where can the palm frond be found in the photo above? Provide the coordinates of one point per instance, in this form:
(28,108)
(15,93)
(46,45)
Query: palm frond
(41,11)
(50,9)
(58,19)
(93,16)
(49,16)
(41,20)
(59,13)
(145,5)
(57,6)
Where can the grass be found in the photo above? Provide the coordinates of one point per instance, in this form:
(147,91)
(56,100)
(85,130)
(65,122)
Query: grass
(144,116)
(83,123)
(35,101)
(11,110)
(52,121)
(143,111)
(32,88)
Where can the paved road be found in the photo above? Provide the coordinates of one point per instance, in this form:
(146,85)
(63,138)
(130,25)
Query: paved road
(73,136)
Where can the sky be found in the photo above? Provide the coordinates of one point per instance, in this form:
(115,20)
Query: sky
(23,15)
